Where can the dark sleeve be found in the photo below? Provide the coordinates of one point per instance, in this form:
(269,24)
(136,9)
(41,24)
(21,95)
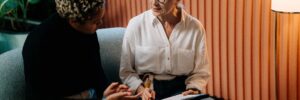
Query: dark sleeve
(39,63)
(102,86)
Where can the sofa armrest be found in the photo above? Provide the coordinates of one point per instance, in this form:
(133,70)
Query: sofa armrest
(12,80)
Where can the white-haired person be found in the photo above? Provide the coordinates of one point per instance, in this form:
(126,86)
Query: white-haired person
(167,45)
(62,58)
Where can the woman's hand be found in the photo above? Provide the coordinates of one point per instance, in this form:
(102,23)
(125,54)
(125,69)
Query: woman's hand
(190,92)
(116,91)
(115,88)
(123,88)
(112,88)
(146,93)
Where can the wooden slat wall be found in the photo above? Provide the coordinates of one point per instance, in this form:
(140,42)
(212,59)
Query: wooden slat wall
(289,56)
(240,35)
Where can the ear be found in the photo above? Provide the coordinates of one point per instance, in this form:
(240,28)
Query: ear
(73,22)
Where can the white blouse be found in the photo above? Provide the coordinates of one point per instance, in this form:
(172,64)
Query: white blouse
(146,49)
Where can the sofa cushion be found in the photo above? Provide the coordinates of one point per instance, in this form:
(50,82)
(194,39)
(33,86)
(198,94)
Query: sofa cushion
(110,41)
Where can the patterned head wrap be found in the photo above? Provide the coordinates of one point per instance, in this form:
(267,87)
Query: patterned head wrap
(80,10)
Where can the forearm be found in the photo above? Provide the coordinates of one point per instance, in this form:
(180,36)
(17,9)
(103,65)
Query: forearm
(199,78)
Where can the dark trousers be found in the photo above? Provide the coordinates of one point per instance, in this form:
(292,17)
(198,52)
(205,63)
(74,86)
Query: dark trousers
(167,88)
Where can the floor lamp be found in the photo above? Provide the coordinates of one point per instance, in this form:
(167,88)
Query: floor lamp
(279,7)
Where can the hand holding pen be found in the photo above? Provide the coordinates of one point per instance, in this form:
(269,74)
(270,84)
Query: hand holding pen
(147,92)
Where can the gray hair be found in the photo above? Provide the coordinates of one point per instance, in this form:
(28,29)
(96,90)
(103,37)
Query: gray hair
(180,4)
(80,10)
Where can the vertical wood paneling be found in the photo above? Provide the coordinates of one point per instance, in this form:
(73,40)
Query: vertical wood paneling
(106,22)
(133,7)
(128,6)
(240,36)
(256,49)
(298,67)
(216,47)
(283,54)
(138,6)
(123,14)
(265,50)
(188,6)
(239,50)
(118,14)
(231,49)
(248,50)
(224,50)
(113,12)
(292,50)
(208,26)
(289,57)
(144,5)
(272,81)
(194,8)
(201,11)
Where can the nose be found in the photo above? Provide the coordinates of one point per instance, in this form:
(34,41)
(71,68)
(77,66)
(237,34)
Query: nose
(155,3)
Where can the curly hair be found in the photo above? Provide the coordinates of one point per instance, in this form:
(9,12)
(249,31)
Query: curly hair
(80,10)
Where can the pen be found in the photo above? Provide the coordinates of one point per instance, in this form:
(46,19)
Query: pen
(147,84)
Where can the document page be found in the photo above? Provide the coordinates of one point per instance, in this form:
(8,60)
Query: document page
(181,97)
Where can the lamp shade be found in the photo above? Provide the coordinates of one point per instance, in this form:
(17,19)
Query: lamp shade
(292,6)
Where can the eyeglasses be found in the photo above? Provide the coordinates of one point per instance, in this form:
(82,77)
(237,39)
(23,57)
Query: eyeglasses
(161,1)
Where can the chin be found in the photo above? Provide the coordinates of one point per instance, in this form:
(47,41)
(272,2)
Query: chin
(156,13)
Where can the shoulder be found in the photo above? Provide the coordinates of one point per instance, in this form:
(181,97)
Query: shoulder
(138,23)
(194,25)
(47,30)
(50,26)
(44,25)
(140,19)
(193,22)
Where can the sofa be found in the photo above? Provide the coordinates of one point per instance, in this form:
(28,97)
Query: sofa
(12,82)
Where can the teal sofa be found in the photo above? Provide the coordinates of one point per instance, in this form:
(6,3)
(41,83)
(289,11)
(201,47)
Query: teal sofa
(12,82)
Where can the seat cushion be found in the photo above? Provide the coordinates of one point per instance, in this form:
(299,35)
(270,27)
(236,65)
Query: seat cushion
(12,80)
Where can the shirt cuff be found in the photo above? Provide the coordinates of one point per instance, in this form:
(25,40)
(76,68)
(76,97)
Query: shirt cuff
(134,85)
(194,86)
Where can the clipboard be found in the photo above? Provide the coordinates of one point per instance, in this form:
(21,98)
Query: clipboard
(188,97)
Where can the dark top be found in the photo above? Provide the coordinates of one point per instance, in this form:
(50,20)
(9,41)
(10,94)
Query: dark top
(60,61)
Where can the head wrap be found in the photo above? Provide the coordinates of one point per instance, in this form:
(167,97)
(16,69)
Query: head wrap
(80,10)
